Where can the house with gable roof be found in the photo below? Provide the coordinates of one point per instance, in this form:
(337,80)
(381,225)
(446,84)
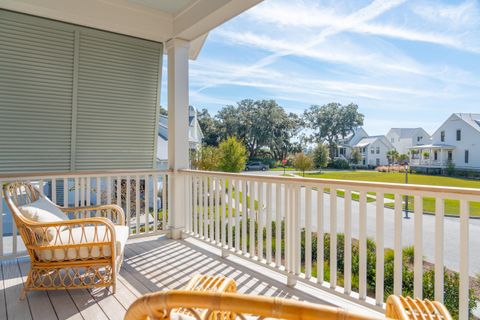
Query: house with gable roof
(405,138)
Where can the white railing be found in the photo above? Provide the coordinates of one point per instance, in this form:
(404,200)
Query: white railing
(274,220)
(146,206)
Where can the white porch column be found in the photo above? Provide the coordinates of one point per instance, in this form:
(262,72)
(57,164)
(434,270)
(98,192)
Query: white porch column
(177,51)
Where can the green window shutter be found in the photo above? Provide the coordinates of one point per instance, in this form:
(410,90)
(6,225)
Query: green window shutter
(117,101)
(74,98)
(35,94)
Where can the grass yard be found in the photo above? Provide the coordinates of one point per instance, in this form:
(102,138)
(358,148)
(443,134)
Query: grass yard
(451,206)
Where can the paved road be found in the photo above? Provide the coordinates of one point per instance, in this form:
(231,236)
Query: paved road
(451,225)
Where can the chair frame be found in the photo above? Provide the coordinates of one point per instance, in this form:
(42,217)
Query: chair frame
(75,273)
(159,305)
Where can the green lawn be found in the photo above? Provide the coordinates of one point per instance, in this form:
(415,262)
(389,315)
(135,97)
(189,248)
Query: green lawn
(451,206)
(281,169)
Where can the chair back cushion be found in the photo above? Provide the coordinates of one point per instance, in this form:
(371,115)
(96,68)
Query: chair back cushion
(43,210)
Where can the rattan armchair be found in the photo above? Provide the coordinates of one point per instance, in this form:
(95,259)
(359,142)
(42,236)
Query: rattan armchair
(83,251)
(229,306)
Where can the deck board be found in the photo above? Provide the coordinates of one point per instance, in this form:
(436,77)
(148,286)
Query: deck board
(150,264)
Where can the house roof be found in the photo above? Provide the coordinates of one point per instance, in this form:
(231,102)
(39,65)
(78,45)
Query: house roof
(404,132)
(473,119)
(433,146)
(367,141)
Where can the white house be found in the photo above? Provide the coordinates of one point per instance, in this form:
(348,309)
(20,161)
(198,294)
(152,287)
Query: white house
(457,141)
(374,150)
(405,138)
(346,144)
(195,136)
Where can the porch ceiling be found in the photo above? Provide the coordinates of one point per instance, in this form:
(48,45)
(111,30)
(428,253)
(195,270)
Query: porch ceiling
(157,20)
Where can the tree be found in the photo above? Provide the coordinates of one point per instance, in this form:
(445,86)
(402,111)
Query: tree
(210,128)
(331,122)
(302,162)
(403,158)
(320,155)
(355,156)
(206,158)
(163,111)
(233,155)
(392,156)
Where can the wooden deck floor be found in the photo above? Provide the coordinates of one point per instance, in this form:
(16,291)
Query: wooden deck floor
(151,264)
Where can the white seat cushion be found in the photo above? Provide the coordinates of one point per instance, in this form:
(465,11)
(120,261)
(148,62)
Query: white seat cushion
(76,236)
(43,210)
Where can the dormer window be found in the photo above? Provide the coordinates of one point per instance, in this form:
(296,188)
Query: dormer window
(442,136)
(419,138)
(459,135)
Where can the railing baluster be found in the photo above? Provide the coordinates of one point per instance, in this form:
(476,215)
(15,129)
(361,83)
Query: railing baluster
(40,186)
(201,207)
(398,254)
(205,208)
(269,204)
(297,243)
(244,216)
(169,201)
(164,201)
(439,247)
(128,201)
(228,185)
(119,191)
(308,232)
(211,211)
(155,201)
(232,187)
(347,278)
(260,186)
(137,203)
(76,195)
(195,205)
(288,227)
(54,190)
(363,246)
(237,212)
(380,253)
(188,221)
(333,237)
(418,248)
(65,192)
(463,293)
(252,218)
(88,191)
(146,209)
(278,224)
(217,211)
(320,236)
(1,221)
(225,223)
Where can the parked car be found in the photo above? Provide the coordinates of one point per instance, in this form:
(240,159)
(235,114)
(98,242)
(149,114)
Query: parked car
(255,165)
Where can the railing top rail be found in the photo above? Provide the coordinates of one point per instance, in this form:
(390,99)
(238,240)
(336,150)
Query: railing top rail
(348,184)
(69,174)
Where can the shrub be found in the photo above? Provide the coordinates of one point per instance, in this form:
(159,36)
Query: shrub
(206,158)
(340,163)
(302,162)
(450,168)
(320,155)
(355,157)
(233,155)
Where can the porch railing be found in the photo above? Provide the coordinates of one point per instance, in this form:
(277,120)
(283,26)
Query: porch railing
(282,223)
(143,194)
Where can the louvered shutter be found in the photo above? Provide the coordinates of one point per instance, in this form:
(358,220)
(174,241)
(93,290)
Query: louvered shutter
(117,99)
(36,64)
(74,98)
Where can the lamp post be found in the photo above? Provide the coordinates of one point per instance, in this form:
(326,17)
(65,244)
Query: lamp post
(284,162)
(406,196)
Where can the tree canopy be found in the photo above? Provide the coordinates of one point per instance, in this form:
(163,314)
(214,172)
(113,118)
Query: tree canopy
(332,122)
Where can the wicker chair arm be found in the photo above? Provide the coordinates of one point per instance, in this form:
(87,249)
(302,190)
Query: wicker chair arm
(61,226)
(159,304)
(116,211)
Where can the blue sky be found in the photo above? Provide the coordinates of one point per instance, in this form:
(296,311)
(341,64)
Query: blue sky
(405,63)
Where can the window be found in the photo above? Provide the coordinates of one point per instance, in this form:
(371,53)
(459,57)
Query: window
(419,138)
(378,150)
(378,162)
(466,156)
(459,135)
(442,136)
(372,151)
(450,156)
(435,155)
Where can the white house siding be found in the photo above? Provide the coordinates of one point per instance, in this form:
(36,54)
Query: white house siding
(470,140)
(403,139)
(346,145)
(374,150)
